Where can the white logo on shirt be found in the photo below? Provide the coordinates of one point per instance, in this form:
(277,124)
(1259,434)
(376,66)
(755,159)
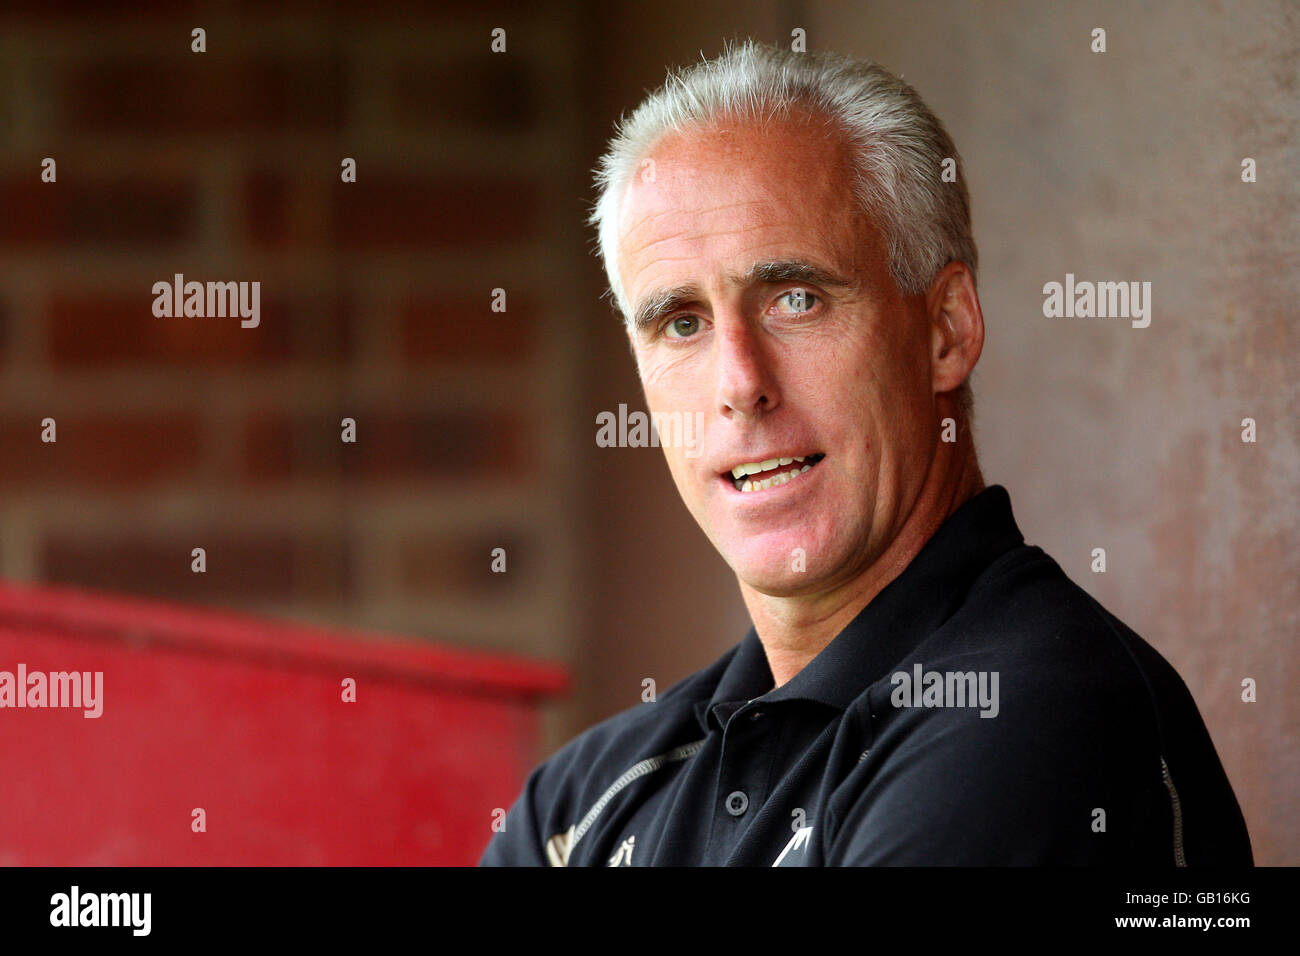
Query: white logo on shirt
(559,847)
(624,855)
(799,843)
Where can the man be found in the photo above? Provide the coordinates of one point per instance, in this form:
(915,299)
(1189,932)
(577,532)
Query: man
(919,686)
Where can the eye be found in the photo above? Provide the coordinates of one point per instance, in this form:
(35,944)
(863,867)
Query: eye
(684,326)
(800,301)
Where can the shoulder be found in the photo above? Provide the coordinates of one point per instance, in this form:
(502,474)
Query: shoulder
(1066,734)
(1025,614)
(1067,670)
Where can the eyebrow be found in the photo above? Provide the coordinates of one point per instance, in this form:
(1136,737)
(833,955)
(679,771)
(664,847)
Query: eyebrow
(656,305)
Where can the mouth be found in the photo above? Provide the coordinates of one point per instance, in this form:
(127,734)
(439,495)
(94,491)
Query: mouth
(749,477)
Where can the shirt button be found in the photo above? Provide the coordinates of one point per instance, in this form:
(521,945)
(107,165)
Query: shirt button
(737,803)
(755,714)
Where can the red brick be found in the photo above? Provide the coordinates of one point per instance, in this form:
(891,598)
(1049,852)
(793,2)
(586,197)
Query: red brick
(391,211)
(268,205)
(376,10)
(102,330)
(138,210)
(270,449)
(324,325)
(456,329)
(180,91)
(98,451)
(448,213)
(191,13)
(453,445)
(256,566)
(87,330)
(45,8)
(483,92)
(461,565)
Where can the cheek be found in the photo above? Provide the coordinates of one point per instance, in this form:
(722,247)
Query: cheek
(849,383)
(890,368)
(680,469)
(867,395)
(692,486)
(663,376)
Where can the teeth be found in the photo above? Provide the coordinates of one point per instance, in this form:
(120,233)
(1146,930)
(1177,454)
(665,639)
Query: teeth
(754,467)
(780,479)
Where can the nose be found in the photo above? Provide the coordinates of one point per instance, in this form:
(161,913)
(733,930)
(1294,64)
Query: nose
(746,377)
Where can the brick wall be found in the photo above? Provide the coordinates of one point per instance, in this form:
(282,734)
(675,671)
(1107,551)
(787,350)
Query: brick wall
(176,433)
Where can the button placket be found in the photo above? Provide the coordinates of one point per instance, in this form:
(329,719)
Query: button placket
(741,732)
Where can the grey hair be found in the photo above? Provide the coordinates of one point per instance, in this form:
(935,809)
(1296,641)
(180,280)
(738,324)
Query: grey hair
(898,146)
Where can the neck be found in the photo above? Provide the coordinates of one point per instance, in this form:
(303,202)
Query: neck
(794,630)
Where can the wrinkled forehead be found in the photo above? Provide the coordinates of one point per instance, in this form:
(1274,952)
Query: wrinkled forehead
(731,190)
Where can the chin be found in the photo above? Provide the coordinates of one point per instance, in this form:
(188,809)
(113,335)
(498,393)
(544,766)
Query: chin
(777,572)
(784,584)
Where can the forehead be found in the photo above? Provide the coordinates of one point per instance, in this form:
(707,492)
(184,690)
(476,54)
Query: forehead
(719,198)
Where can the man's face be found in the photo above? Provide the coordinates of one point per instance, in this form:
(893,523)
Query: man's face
(789,337)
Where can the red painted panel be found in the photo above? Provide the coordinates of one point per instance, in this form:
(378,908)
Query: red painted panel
(244,718)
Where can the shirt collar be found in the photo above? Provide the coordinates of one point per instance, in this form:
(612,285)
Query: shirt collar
(909,609)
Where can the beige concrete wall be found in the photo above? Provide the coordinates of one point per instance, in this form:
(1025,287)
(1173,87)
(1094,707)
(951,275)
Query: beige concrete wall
(1123,165)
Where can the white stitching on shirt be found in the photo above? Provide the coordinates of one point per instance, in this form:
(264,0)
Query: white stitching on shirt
(1179,858)
(639,769)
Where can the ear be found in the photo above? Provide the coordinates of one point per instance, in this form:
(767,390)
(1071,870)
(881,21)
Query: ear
(956,326)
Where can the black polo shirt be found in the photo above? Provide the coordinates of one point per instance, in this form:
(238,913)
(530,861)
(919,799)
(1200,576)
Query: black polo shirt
(982,709)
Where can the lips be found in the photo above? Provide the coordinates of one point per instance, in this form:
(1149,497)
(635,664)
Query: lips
(770,472)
